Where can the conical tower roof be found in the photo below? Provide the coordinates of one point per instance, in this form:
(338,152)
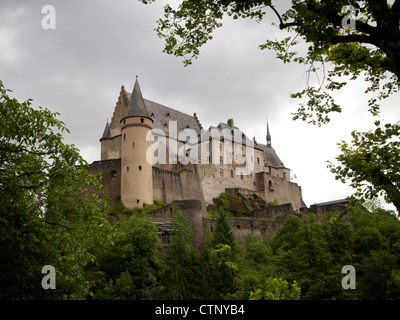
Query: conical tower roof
(106,133)
(136,107)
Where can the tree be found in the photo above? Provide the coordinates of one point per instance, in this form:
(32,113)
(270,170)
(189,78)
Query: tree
(276,289)
(133,257)
(179,275)
(48,216)
(223,233)
(313,260)
(372,163)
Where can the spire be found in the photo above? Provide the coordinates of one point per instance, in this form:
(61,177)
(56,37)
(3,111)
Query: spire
(268,136)
(106,133)
(136,107)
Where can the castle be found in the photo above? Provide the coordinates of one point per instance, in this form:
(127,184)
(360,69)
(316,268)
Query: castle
(153,152)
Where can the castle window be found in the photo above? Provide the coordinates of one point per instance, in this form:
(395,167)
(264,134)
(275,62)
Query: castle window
(113,174)
(165,125)
(137,201)
(238,226)
(231,173)
(284,175)
(241,176)
(152,115)
(187,126)
(124,122)
(127,169)
(221,172)
(141,120)
(140,168)
(258,160)
(133,144)
(168,115)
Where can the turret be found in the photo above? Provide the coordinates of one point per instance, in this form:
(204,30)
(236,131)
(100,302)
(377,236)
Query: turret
(136,171)
(104,141)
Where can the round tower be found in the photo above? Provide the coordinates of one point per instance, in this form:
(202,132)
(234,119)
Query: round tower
(136,171)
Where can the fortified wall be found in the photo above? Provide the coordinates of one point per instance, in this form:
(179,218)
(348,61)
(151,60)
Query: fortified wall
(177,183)
(263,223)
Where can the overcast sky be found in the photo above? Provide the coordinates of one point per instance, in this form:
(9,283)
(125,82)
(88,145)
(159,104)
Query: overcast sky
(98,45)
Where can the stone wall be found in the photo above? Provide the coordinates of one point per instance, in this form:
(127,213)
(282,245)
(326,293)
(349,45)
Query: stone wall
(111,175)
(181,184)
(191,208)
(263,224)
(279,189)
(241,227)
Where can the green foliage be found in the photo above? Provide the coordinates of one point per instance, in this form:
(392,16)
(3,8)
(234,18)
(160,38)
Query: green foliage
(223,233)
(276,289)
(372,163)
(48,216)
(133,256)
(177,281)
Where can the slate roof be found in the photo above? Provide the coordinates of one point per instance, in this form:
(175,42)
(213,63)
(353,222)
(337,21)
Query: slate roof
(162,116)
(270,156)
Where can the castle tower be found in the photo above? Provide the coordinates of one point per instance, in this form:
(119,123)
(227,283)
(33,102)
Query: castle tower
(136,171)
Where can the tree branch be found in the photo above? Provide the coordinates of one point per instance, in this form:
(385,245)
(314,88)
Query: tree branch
(282,25)
(58,224)
(353,38)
